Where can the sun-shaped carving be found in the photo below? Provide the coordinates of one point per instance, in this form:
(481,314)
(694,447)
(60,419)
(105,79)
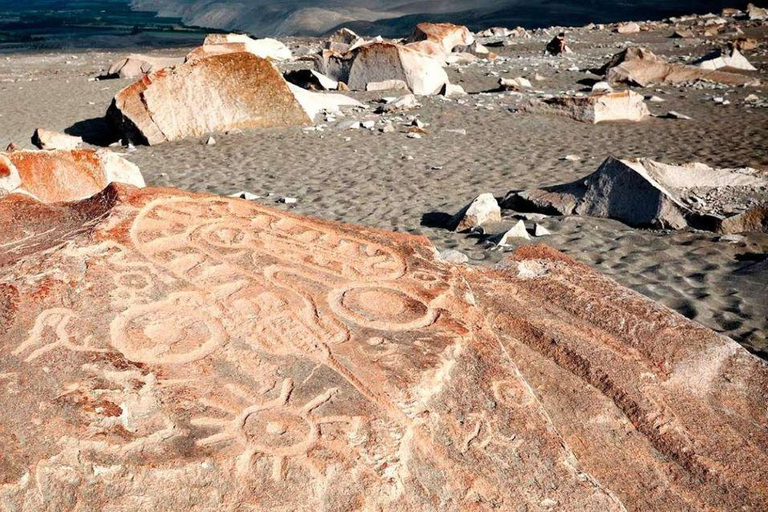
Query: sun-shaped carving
(277,429)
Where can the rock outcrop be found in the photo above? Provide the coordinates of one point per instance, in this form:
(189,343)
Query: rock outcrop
(596,108)
(135,66)
(46,139)
(63,176)
(638,66)
(214,94)
(645,193)
(379,62)
(161,350)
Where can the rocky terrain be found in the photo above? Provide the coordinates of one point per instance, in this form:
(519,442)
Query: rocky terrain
(309,274)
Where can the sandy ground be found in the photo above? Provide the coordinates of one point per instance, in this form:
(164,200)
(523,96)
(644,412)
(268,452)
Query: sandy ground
(389,181)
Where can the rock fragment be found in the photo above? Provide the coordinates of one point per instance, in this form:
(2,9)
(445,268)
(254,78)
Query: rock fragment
(46,139)
(483,209)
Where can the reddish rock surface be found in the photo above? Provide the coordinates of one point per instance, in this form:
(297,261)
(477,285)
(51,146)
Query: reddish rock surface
(218,93)
(61,176)
(190,352)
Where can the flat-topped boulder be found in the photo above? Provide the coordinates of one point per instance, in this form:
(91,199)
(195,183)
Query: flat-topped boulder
(214,94)
(162,350)
(599,107)
(638,66)
(63,176)
(380,62)
(135,65)
(646,193)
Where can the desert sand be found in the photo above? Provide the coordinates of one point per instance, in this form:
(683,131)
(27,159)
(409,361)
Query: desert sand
(476,144)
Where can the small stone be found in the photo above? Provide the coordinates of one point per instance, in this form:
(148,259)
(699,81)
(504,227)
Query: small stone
(368,125)
(482,210)
(414,135)
(453,256)
(245,195)
(517,231)
(571,158)
(677,115)
(288,200)
(540,230)
(733,239)
(210,141)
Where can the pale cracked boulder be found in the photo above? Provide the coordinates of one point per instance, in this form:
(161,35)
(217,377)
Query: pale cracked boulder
(134,66)
(597,108)
(266,48)
(730,58)
(46,139)
(168,351)
(214,94)
(628,28)
(343,40)
(645,193)
(380,62)
(638,66)
(446,35)
(62,176)
(484,209)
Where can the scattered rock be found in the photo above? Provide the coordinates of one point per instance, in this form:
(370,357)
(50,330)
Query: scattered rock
(484,209)
(215,94)
(540,230)
(597,108)
(677,115)
(407,102)
(731,59)
(446,35)
(245,195)
(377,62)
(517,231)
(210,141)
(453,91)
(602,87)
(644,193)
(755,13)
(558,46)
(63,176)
(514,84)
(311,80)
(265,48)
(45,139)
(387,85)
(453,256)
(628,28)
(135,66)
(638,66)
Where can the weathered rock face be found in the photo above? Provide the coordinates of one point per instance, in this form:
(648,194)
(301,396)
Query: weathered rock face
(638,66)
(188,352)
(218,93)
(645,193)
(134,66)
(62,176)
(379,62)
(46,139)
(265,48)
(597,108)
(446,35)
(343,40)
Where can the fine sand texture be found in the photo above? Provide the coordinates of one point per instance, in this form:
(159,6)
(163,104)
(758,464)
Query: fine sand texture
(474,145)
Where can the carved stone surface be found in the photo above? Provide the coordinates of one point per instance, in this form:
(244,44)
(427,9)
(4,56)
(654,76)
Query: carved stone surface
(161,350)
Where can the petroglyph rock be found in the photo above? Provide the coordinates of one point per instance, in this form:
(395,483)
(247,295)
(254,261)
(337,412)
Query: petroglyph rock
(161,350)
(62,176)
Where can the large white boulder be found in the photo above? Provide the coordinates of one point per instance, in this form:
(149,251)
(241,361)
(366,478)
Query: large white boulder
(266,48)
(380,62)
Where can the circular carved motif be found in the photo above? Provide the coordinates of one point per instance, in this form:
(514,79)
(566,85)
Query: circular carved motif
(176,331)
(381,307)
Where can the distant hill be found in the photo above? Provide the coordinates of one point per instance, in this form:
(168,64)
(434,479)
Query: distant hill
(392,18)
